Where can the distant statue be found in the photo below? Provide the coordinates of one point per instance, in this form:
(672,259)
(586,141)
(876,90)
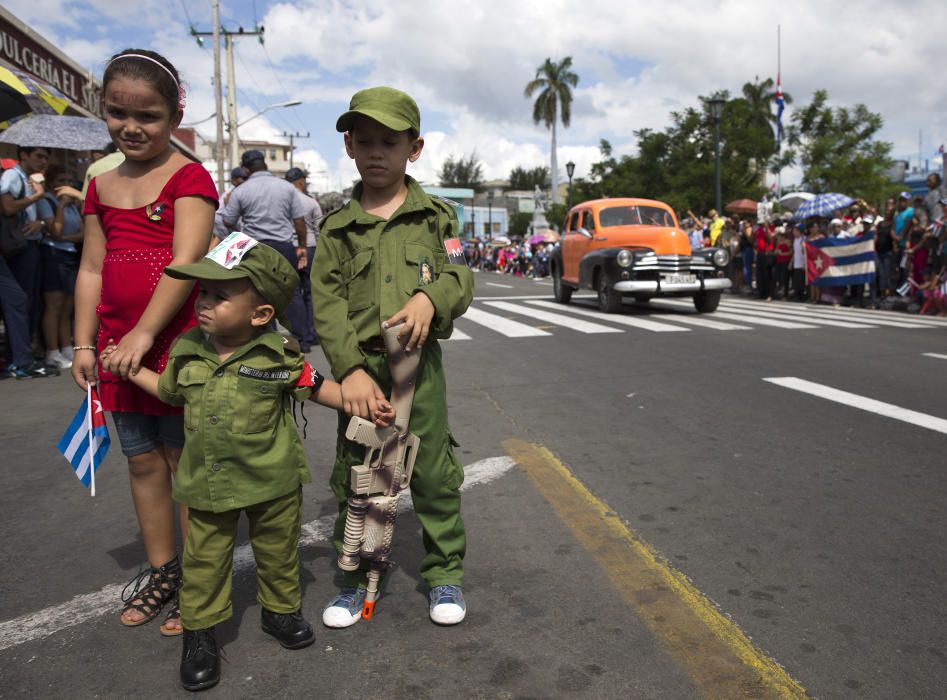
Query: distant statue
(539,202)
(539,223)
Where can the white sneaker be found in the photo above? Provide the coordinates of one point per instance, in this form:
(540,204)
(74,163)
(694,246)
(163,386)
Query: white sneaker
(67,353)
(54,358)
(447,605)
(345,609)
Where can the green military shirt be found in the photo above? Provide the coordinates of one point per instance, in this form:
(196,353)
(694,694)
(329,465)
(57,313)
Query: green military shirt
(241,446)
(366,269)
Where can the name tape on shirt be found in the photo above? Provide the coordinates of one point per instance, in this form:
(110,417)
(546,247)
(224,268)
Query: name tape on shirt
(267,374)
(230,251)
(455,251)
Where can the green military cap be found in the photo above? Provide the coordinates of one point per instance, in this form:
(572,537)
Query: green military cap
(385,105)
(239,256)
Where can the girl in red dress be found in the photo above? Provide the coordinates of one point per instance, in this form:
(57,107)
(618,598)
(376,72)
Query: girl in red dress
(155,209)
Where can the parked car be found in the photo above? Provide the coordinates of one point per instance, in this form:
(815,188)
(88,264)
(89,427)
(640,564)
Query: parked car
(634,247)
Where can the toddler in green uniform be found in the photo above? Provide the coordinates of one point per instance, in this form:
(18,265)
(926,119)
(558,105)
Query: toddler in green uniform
(390,256)
(235,376)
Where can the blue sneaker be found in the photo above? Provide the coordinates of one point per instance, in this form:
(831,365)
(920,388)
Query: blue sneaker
(33,370)
(447,605)
(345,609)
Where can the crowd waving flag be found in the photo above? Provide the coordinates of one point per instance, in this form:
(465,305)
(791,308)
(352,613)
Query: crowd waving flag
(86,441)
(838,262)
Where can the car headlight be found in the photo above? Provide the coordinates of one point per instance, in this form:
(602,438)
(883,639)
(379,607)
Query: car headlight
(721,257)
(625,258)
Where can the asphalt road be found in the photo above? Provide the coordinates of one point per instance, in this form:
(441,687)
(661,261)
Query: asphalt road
(806,534)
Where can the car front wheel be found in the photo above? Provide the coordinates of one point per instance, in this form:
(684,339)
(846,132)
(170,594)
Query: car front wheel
(705,302)
(609,300)
(560,290)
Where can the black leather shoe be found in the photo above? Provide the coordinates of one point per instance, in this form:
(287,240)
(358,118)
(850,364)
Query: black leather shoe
(200,660)
(290,630)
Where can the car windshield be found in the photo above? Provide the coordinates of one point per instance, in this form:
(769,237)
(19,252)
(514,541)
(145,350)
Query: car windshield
(635,216)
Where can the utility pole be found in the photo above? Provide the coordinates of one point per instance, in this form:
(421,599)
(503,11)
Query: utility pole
(231,84)
(232,104)
(292,142)
(218,101)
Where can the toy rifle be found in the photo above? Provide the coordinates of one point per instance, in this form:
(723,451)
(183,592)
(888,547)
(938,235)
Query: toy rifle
(377,482)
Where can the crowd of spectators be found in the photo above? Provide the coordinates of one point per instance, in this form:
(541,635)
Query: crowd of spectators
(37,280)
(519,258)
(769,257)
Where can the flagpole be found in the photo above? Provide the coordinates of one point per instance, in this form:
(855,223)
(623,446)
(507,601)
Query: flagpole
(779,142)
(88,389)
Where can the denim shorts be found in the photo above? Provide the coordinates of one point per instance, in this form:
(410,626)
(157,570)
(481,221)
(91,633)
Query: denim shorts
(139,433)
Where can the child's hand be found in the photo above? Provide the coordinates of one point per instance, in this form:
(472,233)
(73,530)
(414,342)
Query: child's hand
(126,358)
(360,394)
(417,315)
(384,415)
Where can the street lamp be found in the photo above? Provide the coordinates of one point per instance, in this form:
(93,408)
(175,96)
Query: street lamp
(570,171)
(716,111)
(490,215)
(234,137)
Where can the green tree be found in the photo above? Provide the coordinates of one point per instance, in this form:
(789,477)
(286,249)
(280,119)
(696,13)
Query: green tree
(837,149)
(519,223)
(676,165)
(461,172)
(523,179)
(754,113)
(554,83)
(556,215)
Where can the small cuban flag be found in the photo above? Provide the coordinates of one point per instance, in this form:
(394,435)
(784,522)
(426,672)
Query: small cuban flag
(86,441)
(780,106)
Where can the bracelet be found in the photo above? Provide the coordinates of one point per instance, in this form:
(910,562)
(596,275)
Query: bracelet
(85,347)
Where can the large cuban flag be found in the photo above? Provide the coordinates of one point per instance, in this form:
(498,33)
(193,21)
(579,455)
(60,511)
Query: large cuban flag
(837,262)
(86,441)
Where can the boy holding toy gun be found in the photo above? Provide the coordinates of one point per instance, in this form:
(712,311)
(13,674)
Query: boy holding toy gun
(388,257)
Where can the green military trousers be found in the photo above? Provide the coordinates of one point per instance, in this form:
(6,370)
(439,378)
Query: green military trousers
(208,560)
(435,483)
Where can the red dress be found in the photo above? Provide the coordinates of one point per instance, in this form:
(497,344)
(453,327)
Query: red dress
(138,246)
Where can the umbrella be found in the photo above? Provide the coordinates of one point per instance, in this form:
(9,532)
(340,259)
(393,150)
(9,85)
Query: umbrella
(741,206)
(54,131)
(500,240)
(794,200)
(823,205)
(20,94)
(537,238)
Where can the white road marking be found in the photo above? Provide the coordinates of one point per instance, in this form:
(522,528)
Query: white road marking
(791,315)
(89,606)
(457,335)
(511,329)
(861,402)
(745,317)
(559,319)
(875,318)
(935,355)
(611,318)
(494,284)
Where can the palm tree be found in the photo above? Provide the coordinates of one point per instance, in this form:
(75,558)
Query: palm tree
(555,82)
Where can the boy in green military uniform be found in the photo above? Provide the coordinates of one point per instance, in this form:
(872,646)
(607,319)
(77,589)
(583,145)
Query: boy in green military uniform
(388,257)
(234,376)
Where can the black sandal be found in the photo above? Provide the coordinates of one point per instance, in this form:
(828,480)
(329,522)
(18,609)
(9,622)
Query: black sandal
(152,589)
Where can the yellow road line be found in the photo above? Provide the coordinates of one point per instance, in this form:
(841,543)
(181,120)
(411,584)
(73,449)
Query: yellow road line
(720,658)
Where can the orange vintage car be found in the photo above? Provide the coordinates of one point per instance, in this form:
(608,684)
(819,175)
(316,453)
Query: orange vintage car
(634,247)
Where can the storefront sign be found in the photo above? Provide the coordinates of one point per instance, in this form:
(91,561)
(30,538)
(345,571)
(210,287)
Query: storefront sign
(23,51)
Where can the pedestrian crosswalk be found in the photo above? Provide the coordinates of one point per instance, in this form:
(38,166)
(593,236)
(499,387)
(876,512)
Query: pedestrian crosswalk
(538,316)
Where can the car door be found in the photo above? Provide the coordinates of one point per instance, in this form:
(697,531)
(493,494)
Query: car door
(575,244)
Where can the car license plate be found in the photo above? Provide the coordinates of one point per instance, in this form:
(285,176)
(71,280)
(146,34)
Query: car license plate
(679,279)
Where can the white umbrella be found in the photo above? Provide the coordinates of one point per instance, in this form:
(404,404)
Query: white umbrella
(794,200)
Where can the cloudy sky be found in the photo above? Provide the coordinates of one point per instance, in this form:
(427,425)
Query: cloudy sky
(466,63)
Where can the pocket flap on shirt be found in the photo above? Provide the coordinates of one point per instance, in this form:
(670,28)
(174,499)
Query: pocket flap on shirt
(354,267)
(191,375)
